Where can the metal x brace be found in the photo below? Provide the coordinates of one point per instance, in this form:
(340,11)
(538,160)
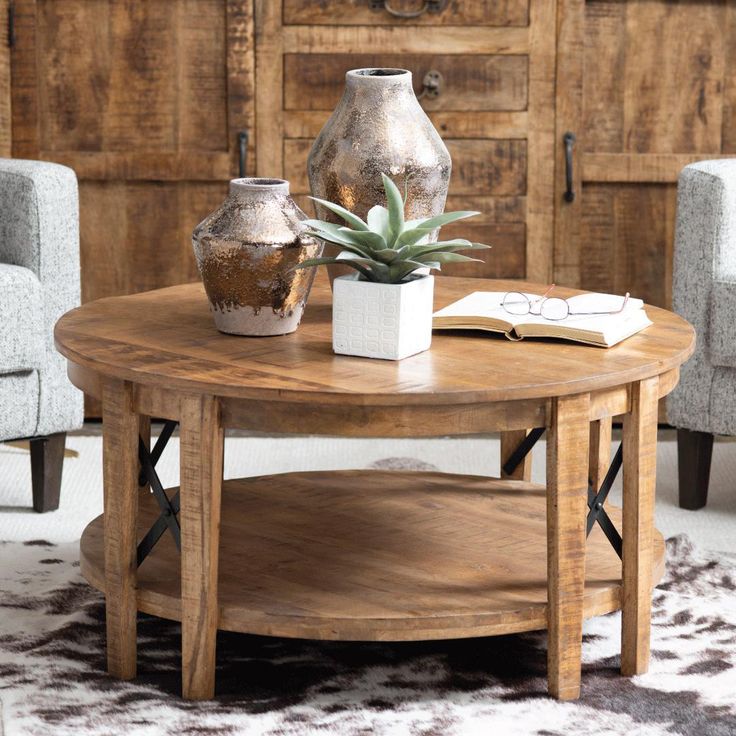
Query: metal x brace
(169,507)
(596,499)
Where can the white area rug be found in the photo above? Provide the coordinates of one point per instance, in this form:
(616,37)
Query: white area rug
(52,678)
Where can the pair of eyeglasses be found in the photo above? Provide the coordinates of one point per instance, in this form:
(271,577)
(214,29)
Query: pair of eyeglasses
(548,307)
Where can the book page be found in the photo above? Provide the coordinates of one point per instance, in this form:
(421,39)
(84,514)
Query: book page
(485,304)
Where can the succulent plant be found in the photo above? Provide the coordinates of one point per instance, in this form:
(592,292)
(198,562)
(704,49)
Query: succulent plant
(386,248)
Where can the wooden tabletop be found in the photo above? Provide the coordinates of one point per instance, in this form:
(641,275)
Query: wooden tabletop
(167,338)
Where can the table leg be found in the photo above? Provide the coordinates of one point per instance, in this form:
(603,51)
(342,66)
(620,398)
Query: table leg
(600,450)
(509,442)
(120,468)
(567,490)
(201,458)
(640,459)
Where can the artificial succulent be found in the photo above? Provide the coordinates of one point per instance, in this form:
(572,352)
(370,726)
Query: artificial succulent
(385,247)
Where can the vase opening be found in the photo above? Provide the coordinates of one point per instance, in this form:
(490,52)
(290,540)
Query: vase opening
(259,185)
(377,76)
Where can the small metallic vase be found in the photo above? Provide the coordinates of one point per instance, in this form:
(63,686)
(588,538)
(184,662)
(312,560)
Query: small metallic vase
(246,251)
(379,127)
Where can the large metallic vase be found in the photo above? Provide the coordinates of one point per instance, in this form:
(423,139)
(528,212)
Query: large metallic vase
(246,251)
(379,127)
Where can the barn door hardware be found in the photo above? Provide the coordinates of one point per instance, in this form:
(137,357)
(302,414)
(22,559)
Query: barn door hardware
(242,152)
(569,141)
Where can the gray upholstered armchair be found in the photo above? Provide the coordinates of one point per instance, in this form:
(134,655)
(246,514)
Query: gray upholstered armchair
(39,281)
(704,402)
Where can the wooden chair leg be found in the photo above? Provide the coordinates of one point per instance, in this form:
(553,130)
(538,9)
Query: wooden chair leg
(694,453)
(47,461)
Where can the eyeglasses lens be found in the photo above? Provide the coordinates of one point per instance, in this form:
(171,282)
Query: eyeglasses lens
(516,303)
(554,309)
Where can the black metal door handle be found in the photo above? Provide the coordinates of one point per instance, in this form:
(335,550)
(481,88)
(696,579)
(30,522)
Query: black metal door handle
(569,141)
(243,147)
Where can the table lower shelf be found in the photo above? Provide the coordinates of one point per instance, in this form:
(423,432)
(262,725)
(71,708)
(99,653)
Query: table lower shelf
(375,556)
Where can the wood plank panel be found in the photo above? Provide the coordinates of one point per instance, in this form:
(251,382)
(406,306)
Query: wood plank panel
(541,142)
(404,40)
(136,236)
(5,107)
(662,97)
(359,12)
(627,232)
(132,76)
(470,82)
(638,167)
(308,123)
(497,167)
(602,127)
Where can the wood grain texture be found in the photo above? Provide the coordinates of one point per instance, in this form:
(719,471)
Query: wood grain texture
(629,235)
(510,441)
(406,40)
(120,468)
(567,486)
(5,85)
(541,142)
(140,338)
(600,451)
(269,69)
(569,246)
(478,82)
(639,479)
(376,556)
(358,12)
(201,466)
(117,218)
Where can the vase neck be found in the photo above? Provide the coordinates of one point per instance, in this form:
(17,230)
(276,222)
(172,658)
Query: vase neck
(372,83)
(258,188)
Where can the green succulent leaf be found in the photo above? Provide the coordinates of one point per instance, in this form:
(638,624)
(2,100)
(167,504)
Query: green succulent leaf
(428,258)
(342,243)
(387,255)
(410,237)
(366,239)
(399,271)
(432,223)
(445,245)
(378,222)
(347,215)
(395,208)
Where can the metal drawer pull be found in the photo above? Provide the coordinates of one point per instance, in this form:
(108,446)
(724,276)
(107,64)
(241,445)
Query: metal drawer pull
(431,85)
(243,147)
(430,6)
(569,141)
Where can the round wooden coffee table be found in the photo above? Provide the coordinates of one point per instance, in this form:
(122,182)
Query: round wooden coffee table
(369,555)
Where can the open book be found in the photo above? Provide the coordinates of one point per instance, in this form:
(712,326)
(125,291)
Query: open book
(482,310)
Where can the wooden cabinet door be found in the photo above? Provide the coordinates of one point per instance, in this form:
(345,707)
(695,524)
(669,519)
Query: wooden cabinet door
(145,100)
(494,108)
(647,86)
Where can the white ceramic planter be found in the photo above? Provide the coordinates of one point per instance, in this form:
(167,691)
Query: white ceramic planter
(389,321)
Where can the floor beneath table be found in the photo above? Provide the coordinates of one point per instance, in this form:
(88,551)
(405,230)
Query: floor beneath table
(81,500)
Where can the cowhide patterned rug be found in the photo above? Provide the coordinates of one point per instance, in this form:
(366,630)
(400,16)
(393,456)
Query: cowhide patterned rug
(53,681)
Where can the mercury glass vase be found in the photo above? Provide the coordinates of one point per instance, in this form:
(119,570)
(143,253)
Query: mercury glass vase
(379,127)
(246,252)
